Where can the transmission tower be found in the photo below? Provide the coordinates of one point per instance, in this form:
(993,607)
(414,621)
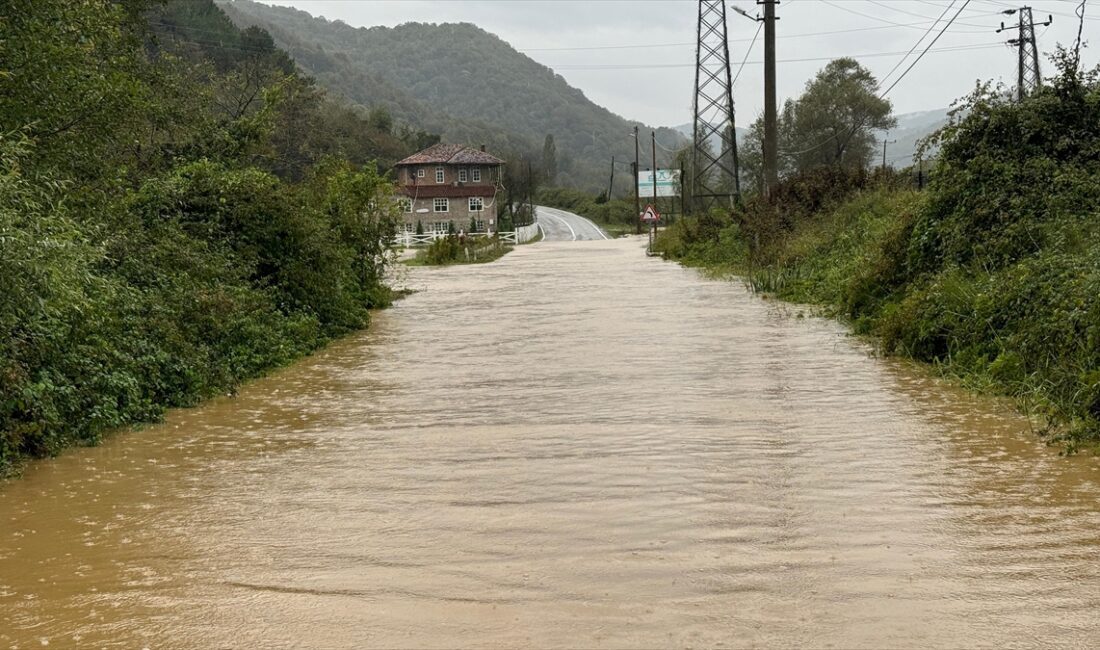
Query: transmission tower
(1028,79)
(715,179)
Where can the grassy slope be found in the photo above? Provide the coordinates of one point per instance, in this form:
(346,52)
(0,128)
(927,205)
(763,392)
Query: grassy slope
(1027,330)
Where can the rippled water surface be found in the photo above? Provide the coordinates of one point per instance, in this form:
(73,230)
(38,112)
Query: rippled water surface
(573,446)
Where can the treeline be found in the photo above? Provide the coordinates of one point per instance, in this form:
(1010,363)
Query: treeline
(460,81)
(180,210)
(992,273)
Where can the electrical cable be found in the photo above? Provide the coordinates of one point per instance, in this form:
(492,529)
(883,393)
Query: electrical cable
(921,55)
(919,41)
(887,91)
(744,60)
(631,66)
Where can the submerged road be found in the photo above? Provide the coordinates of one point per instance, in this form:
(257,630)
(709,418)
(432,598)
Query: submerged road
(573,446)
(561,225)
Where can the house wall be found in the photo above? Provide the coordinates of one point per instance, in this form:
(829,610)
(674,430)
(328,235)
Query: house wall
(459,212)
(408,175)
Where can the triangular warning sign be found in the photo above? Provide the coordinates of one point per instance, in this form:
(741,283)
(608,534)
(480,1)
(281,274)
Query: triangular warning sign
(651,214)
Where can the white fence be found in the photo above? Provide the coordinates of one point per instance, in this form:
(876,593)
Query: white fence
(520,235)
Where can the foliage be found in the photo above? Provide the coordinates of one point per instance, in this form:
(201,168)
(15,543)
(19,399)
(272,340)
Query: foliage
(831,124)
(550,159)
(459,81)
(458,249)
(992,274)
(177,214)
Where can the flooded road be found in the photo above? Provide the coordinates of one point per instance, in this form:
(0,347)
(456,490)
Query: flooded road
(573,446)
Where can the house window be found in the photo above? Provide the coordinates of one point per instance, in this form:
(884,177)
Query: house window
(462,175)
(479,225)
(441,205)
(406,205)
(476,175)
(410,228)
(438,174)
(477,204)
(441,226)
(420,173)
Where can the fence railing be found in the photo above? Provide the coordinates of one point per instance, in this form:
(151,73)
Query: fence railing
(411,239)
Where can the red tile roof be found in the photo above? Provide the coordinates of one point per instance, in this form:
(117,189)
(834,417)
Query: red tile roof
(448,191)
(451,153)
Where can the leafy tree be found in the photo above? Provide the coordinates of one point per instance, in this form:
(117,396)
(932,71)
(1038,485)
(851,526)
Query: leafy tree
(831,124)
(459,81)
(549,159)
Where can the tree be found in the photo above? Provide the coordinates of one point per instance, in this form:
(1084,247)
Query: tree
(831,124)
(550,159)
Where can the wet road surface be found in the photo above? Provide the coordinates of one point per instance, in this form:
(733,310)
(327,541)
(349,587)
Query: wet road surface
(561,225)
(572,446)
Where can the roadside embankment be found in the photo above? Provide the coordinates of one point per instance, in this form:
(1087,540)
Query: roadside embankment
(992,274)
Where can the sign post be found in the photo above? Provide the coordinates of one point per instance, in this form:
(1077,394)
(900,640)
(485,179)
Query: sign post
(651,216)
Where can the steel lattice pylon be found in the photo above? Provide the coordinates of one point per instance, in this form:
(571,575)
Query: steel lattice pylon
(1029,77)
(714,170)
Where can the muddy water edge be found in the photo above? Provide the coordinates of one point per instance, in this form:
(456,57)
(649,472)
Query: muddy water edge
(572,446)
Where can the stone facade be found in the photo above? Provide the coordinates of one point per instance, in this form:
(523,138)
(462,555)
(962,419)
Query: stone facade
(449,184)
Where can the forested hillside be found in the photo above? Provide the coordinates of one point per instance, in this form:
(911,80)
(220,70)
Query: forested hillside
(459,81)
(180,210)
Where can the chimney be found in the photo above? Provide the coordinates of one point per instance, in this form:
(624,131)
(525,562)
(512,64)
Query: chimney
(483,147)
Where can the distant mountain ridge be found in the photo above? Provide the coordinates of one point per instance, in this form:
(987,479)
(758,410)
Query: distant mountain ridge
(457,80)
(911,129)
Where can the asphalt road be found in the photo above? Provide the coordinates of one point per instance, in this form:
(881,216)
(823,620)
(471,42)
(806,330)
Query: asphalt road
(559,225)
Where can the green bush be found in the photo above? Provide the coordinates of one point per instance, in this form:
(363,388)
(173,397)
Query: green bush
(992,274)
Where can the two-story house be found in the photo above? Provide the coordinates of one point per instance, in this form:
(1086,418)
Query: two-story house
(449,184)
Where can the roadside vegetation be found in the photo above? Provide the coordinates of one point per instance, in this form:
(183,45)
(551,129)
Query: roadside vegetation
(180,211)
(456,249)
(992,273)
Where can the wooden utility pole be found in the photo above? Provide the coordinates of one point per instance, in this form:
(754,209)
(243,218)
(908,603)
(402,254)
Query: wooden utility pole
(884,143)
(611,181)
(637,204)
(530,196)
(653,144)
(771,131)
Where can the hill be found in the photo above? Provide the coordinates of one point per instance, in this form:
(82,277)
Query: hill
(456,80)
(911,129)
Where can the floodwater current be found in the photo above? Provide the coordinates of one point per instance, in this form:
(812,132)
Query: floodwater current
(573,446)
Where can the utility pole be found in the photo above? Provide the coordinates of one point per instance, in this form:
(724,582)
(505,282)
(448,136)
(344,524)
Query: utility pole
(530,197)
(884,143)
(1028,79)
(715,175)
(611,181)
(771,129)
(637,204)
(653,144)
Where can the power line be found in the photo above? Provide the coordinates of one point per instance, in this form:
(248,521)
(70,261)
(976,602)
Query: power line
(887,91)
(877,18)
(926,49)
(632,66)
(737,76)
(911,13)
(1039,9)
(919,41)
(918,25)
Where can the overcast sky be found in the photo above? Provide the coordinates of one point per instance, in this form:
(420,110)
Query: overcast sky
(608,48)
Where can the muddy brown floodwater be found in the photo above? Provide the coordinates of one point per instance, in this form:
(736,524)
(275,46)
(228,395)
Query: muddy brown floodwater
(573,446)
